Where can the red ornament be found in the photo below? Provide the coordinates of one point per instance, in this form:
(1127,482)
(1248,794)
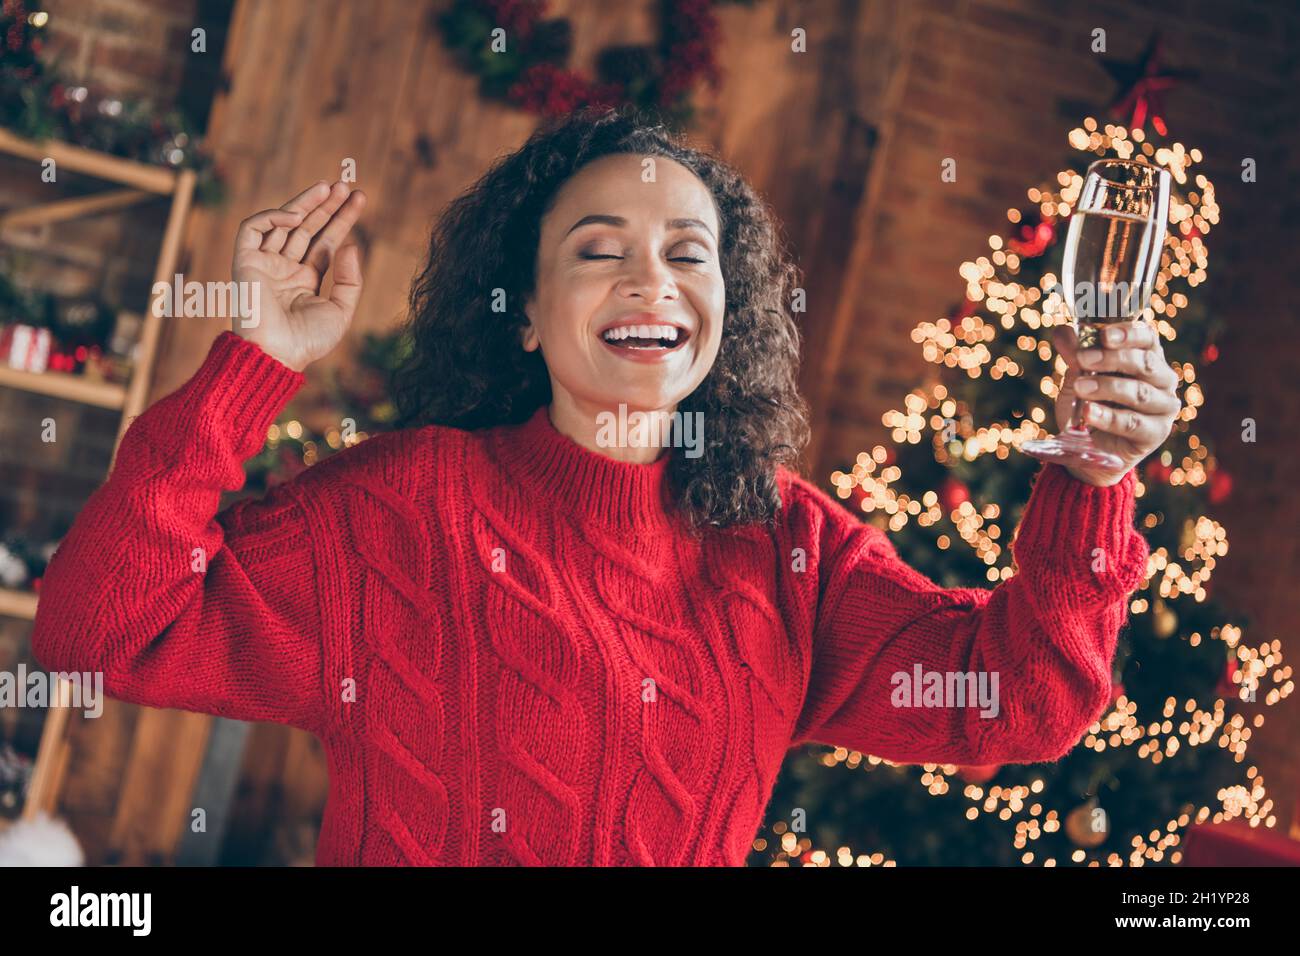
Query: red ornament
(1034,236)
(1227,687)
(1210,354)
(1220,486)
(1158,472)
(952,492)
(968,307)
(979,773)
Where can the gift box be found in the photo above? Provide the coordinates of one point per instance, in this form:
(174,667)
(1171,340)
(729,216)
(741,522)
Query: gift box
(25,347)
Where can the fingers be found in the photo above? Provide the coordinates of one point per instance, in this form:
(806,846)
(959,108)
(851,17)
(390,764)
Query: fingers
(347,279)
(1146,364)
(1131,348)
(1135,335)
(1141,430)
(253,230)
(1137,394)
(303,203)
(336,230)
(295,245)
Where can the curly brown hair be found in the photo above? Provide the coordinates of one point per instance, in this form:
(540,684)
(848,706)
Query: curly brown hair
(467,369)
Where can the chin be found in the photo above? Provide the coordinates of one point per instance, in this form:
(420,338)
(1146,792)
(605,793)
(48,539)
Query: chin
(638,402)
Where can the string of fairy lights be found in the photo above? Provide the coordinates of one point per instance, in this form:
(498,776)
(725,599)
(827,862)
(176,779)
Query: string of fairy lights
(334,437)
(1029,310)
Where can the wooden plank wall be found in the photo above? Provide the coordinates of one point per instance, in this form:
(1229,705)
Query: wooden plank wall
(313,82)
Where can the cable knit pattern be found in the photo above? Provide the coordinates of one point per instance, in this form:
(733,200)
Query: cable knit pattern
(515,654)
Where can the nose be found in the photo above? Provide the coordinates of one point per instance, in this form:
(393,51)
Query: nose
(649,277)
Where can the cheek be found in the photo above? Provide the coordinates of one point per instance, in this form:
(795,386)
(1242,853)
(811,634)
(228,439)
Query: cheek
(567,309)
(710,306)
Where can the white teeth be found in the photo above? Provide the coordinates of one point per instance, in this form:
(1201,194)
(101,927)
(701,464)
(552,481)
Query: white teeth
(668,332)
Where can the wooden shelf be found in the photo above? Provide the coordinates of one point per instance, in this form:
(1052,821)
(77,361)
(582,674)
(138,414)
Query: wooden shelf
(53,756)
(74,388)
(20,604)
(155,179)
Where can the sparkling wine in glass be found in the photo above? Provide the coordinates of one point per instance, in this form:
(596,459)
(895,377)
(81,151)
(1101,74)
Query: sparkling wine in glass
(1112,256)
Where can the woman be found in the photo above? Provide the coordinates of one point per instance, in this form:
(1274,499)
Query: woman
(526,635)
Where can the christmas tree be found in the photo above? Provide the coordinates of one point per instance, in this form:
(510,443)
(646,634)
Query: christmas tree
(353,405)
(1189,688)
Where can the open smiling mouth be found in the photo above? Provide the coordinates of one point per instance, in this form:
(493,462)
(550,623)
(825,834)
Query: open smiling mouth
(645,338)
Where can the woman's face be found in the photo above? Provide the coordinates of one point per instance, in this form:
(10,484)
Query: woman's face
(616,251)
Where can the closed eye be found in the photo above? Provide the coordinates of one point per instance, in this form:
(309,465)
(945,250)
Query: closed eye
(674,259)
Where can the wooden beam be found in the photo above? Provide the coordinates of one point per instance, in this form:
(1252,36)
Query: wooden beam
(20,604)
(76,207)
(128,172)
(147,349)
(51,757)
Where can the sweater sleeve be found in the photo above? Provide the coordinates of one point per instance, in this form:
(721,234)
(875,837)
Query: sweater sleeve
(914,673)
(179,606)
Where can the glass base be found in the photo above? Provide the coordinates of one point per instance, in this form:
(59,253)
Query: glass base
(1071,447)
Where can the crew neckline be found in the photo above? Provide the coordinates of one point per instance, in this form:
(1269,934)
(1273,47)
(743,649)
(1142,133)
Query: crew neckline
(551,467)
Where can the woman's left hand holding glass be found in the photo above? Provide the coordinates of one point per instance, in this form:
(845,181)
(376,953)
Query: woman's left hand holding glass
(1134,378)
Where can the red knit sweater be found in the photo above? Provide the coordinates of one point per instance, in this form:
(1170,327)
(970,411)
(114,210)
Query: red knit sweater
(512,652)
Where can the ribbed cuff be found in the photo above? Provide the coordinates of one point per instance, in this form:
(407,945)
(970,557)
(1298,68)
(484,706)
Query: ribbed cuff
(1077,529)
(244,388)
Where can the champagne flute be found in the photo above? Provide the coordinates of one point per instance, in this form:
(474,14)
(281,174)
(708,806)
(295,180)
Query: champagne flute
(1112,255)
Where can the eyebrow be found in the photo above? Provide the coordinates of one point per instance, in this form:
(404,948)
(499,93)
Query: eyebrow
(620,221)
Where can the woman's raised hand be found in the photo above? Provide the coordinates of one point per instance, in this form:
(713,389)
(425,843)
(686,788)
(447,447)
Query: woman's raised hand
(1131,406)
(284,254)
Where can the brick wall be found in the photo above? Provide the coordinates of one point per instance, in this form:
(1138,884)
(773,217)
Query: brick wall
(133,47)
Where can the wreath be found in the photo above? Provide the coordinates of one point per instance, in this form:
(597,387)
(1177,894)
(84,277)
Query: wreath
(521,57)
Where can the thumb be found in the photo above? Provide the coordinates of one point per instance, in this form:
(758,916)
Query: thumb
(346,292)
(1066,342)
